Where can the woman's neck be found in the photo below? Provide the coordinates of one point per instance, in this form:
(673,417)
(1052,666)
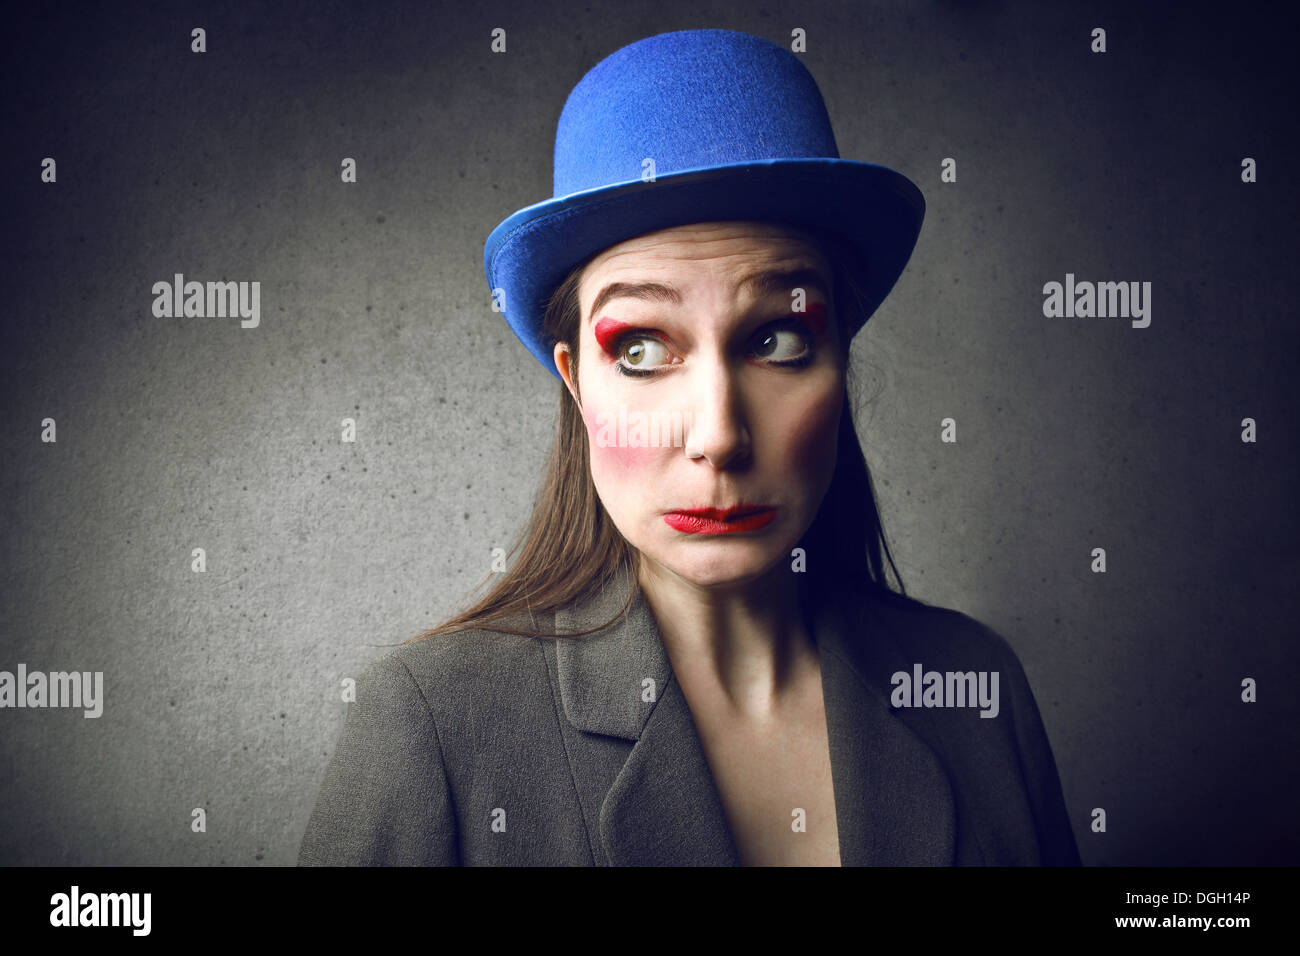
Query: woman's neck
(744,646)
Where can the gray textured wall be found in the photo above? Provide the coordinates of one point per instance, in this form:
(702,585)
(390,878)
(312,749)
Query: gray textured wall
(222,688)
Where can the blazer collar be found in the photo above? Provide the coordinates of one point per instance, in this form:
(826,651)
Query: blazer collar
(893,802)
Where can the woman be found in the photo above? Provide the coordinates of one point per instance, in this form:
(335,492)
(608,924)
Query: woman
(694,657)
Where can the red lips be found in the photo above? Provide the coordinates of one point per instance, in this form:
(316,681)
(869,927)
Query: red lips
(720,520)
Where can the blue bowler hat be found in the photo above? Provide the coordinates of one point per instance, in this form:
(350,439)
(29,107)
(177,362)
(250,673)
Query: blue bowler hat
(737,130)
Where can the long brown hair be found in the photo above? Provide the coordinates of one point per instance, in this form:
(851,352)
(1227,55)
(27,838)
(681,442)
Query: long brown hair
(569,547)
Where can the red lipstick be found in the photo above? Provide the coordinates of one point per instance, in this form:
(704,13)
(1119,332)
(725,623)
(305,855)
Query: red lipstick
(735,520)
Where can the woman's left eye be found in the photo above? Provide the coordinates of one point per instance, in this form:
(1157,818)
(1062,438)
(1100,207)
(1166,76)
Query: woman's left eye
(781,345)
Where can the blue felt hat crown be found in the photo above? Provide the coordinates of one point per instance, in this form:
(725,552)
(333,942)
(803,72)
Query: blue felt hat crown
(737,130)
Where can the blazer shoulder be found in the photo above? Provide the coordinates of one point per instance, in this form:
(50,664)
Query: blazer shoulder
(422,714)
(467,655)
(928,633)
(1010,755)
(467,673)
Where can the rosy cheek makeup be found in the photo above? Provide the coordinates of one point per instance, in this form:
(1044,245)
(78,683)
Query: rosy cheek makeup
(608,454)
(806,436)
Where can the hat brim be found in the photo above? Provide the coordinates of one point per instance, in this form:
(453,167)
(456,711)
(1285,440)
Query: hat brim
(877,210)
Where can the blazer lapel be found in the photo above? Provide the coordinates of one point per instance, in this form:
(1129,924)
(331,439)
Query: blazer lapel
(893,802)
(663,808)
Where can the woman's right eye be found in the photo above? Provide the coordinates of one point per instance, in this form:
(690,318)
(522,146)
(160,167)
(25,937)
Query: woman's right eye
(641,355)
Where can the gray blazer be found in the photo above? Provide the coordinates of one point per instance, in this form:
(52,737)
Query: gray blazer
(452,737)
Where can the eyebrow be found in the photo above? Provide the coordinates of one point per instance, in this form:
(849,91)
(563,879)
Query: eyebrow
(764,282)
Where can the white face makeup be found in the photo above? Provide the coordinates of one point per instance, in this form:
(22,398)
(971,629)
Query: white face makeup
(712,401)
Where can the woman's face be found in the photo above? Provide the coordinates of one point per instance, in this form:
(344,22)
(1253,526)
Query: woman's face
(703,386)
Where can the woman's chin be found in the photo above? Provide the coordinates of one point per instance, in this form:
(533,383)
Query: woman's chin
(720,563)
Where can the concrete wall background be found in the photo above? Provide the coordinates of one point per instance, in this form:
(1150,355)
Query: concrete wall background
(222,688)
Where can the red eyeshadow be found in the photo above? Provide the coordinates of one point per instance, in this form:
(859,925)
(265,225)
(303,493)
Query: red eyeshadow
(608,332)
(815,315)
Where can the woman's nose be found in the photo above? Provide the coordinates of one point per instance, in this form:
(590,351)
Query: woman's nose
(717,430)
